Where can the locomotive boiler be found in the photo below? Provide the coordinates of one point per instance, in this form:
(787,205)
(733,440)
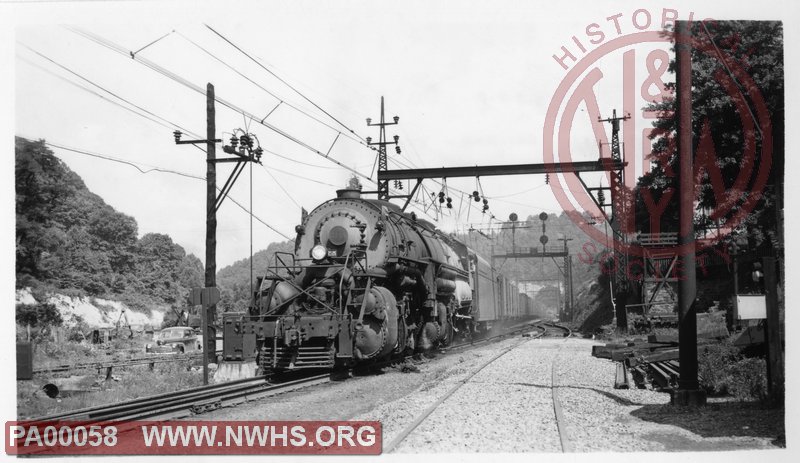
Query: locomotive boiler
(366,281)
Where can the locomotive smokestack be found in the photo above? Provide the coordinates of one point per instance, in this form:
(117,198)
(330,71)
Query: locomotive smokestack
(348,193)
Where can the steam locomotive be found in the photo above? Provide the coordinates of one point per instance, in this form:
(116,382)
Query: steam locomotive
(366,281)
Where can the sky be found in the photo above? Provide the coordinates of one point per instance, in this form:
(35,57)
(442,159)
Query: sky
(471,82)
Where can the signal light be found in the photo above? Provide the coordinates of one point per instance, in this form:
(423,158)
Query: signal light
(476,196)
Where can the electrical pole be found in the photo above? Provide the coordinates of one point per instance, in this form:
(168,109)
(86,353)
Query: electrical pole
(209,312)
(620,223)
(688,392)
(383,165)
(208,296)
(567,278)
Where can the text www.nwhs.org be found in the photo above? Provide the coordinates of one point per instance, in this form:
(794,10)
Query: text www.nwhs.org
(261,436)
(193,437)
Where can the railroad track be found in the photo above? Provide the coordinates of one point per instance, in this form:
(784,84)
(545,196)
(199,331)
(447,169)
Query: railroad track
(187,402)
(545,329)
(554,329)
(150,360)
(427,412)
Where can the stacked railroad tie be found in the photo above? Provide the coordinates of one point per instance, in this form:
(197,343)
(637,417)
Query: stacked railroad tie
(651,363)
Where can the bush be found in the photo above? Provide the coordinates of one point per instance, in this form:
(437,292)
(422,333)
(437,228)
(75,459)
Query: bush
(724,370)
(749,379)
(39,315)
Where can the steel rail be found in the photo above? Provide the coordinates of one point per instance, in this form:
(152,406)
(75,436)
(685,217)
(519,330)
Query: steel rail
(204,398)
(120,363)
(182,403)
(428,411)
(561,422)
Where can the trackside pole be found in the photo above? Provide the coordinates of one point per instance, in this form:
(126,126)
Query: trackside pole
(688,392)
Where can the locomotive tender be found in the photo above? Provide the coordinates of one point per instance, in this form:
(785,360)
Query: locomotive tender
(366,281)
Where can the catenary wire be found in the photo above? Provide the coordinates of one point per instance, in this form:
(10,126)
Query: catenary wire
(280,100)
(282,80)
(168,171)
(166,73)
(115,95)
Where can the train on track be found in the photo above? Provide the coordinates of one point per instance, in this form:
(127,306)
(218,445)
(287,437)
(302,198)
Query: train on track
(366,282)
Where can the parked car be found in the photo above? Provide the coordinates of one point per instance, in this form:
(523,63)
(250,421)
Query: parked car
(176,340)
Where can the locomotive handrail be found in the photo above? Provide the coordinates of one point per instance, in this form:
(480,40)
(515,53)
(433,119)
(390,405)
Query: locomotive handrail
(302,291)
(278,258)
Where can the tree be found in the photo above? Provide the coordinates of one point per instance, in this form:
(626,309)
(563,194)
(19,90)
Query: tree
(724,131)
(69,239)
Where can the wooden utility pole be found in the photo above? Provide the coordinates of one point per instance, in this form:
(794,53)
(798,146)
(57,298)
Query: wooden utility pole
(775,380)
(688,392)
(208,312)
(244,150)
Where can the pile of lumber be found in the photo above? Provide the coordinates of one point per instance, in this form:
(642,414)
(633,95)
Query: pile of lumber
(646,363)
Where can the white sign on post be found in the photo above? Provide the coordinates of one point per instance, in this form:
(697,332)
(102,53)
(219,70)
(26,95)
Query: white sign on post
(751,307)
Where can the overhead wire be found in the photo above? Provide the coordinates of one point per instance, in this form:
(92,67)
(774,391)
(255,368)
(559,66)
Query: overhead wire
(162,170)
(97,94)
(115,95)
(172,126)
(295,160)
(281,186)
(281,101)
(178,79)
(175,77)
(119,49)
(282,80)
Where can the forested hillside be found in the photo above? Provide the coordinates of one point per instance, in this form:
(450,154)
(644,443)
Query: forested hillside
(69,240)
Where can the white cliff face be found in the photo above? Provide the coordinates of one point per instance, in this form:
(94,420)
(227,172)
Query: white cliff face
(95,312)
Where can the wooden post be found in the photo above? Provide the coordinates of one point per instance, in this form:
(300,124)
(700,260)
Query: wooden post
(735,317)
(207,312)
(773,333)
(688,392)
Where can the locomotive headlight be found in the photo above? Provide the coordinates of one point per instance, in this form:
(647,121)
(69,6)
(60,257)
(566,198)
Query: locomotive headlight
(318,252)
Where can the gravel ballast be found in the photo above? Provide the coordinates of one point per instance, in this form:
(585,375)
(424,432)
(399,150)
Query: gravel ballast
(508,406)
